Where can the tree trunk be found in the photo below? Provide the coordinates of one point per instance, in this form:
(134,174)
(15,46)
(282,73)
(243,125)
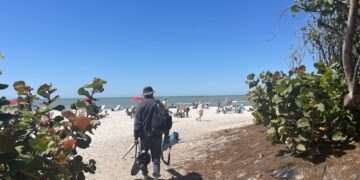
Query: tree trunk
(352,99)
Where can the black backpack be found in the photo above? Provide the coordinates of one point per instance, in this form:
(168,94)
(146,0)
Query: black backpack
(161,121)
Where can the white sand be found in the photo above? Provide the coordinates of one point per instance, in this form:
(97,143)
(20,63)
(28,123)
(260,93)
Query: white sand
(115,135)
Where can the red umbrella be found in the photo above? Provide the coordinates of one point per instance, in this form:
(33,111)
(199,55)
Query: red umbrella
(137,98)
(13,102)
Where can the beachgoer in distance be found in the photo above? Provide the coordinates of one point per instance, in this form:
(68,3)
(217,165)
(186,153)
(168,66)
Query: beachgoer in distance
(218,110)
(187,110)
(152,121)
(128,112)
(133,112)
(165,103)
(201,112)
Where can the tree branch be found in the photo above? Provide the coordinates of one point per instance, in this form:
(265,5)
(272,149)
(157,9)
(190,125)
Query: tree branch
(348,62)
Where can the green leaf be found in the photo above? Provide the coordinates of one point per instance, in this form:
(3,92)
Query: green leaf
(76,164)
(44,90)
(301,147)
(258,117)
(320,107)
(331,2)
(5,117)
(303,123)
(282,130)
(339,137)
(298,103)
(58,118)
(20,86)
(40,143)
(295,8)
(277,99)
(83,141)
(97,85)
(270,134)
(3,101)
(3,86)
(59,108)
(275,121)
(92,109)
(250,77)
(83,92)
(25,122)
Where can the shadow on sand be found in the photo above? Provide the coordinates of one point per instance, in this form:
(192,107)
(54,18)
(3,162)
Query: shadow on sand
(177,176)
(324,152)
(191,176)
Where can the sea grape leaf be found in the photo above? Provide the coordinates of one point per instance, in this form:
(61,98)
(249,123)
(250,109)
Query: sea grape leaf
(3,101)
(44,90)
(250,77)
(282,130)
(20,86)
(83,141)
(40,143)
(303,123)
(320,107)
(6,117)
(301,147)
(59,108)
(83,92)
(338,137)
(58,118)
(3,86)
(97,85)
(295,8)
(270,134)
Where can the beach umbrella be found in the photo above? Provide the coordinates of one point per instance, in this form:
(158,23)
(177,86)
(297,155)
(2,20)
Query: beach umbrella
(13,102)
(136,98)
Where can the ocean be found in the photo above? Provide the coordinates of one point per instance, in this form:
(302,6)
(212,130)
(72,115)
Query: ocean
(127,101)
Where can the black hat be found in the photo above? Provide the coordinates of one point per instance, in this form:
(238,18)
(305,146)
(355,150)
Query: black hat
(148,91)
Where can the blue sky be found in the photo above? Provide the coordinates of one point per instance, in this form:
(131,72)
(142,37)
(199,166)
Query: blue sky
(180,47)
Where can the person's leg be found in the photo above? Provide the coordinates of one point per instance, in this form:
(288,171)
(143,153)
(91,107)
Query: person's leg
(156,155)
(144,147)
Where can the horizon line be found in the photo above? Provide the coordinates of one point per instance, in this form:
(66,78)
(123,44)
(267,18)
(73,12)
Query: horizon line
(159,96)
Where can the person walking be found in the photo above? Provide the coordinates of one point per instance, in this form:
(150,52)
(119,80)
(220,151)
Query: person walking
(152,122)
(187,110)
(201,112)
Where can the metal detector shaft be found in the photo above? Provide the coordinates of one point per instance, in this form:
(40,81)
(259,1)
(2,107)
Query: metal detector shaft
(129,150)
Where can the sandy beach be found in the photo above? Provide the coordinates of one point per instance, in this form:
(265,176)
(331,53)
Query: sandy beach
(115,135)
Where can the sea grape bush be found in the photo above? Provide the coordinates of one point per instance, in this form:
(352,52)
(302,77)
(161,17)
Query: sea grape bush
(262,94)
(39,140)
(303,110)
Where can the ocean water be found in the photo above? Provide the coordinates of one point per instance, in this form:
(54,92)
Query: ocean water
(127,101)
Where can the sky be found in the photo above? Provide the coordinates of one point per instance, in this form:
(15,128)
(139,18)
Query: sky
(180,47)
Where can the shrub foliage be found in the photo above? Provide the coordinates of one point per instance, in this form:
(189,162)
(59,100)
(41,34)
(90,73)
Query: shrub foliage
(303,110)
(39,140)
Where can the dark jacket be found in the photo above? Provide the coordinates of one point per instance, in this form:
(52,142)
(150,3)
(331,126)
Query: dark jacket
(144,113)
